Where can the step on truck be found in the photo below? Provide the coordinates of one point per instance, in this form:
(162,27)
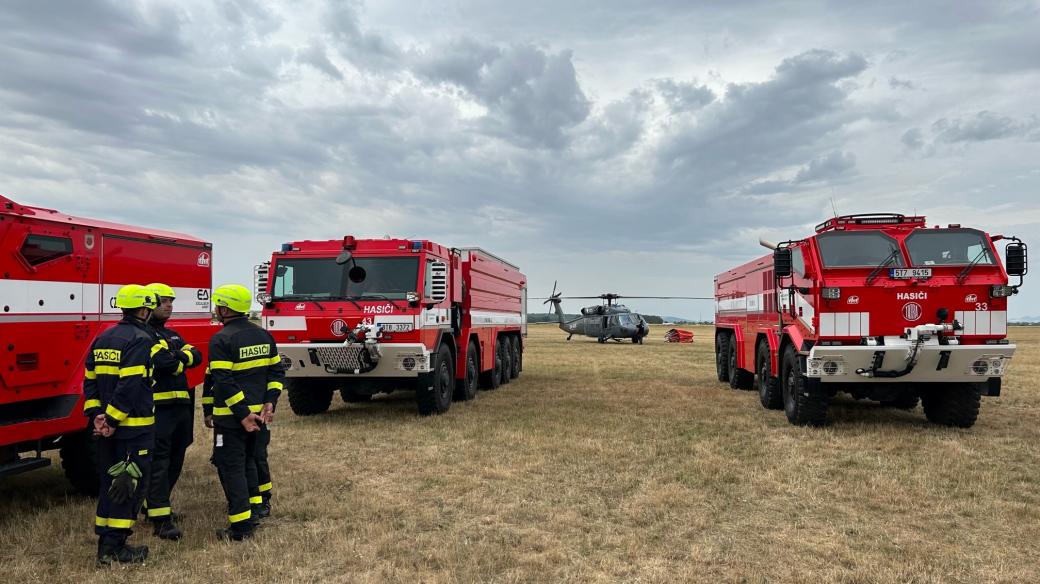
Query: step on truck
(879,306)
(60,277)
(370,316)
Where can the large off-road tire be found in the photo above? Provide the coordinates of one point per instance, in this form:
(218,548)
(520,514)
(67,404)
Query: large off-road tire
(466,388)
(953,404)
(507,359)
(514,356)
(492,379)
(768,386)
(805,401)
(308,397)
(79,461)
(738,378)
(434,390)
(722,355)
(907,401)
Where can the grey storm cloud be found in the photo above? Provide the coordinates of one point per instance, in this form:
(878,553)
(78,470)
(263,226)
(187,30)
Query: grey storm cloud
(984,126)
(560,133)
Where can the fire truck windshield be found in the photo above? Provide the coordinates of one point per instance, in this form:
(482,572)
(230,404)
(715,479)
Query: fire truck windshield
(948,247)
(856,249)
(323,278)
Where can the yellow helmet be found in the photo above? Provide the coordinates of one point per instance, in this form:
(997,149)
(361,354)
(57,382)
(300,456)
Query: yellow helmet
(233,296)
(135,296)
(161,290)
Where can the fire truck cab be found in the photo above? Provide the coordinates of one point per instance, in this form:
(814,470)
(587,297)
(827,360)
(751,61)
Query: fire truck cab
(879,306)
(367,316)
(60,277)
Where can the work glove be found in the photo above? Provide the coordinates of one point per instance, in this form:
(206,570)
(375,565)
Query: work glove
(124,475)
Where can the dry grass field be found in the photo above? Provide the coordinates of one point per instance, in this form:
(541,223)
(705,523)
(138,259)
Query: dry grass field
(602,463)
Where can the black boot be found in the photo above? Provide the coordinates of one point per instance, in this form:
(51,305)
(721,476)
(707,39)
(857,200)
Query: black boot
(120,552)
(228,534)
(263,510)
(167,529)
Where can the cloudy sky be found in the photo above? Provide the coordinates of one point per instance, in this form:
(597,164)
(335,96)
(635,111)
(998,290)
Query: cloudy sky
(630,146)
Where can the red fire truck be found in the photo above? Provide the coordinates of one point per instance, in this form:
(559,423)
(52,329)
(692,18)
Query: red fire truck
(366,316)
(879,306)
(60,277)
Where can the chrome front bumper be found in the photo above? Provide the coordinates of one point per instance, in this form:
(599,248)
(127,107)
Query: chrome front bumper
(338,359)
(935,362)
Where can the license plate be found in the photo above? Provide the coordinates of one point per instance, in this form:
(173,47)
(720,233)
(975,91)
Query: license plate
(907,273)
(396,327)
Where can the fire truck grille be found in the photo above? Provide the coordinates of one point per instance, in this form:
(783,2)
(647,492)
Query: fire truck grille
(344,359)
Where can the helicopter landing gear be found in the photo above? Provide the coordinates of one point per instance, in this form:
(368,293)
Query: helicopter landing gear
(569,336)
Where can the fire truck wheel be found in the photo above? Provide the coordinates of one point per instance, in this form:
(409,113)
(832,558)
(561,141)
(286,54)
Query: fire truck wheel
(308,397)
(722,356)
(507,359)
(434,390)
(903,402)
(492,379)
(738,378)
(805,402)
(466,388)
(953,404)
(514,357)
(79,461)
(768,386)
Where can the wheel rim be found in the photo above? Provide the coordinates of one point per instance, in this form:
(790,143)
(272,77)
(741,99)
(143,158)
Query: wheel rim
(789,380)
(763,374)
(471,374)
(444,377)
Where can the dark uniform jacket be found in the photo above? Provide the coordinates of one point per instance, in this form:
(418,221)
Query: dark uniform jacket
(245,372)
(118,378)
(170,358)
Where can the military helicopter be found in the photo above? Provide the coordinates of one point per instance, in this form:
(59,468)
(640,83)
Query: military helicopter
(608,321)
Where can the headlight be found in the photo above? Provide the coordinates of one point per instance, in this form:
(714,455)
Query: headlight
(821,366)
(831,293)
(990,365)
(1001,291)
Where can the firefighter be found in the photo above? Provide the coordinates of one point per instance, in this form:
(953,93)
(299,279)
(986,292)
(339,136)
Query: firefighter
(117,387)
(259,464)
(247,379)
(174,413)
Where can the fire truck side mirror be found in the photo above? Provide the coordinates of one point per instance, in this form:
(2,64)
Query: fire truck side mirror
(782,262)
(1017,260)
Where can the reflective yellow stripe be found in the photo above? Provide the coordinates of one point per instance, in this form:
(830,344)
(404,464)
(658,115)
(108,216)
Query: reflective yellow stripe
(241,516)
(207,400)
(265,487)
(116,523)
(89,374)
(142,452)
(252,364)
(171,395)
(139,421)
(235,399)
(160,512)
(227,411)
(277,385)
(115,413)
(106,370)
(180,369)
(130,371)
(256,500)
(187,351)
(221,365)
(159,347)
(91,403)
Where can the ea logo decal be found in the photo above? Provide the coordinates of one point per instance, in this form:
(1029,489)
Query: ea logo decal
(203,260)
(912,311)
(339,328)
(971,298)
(853,300)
